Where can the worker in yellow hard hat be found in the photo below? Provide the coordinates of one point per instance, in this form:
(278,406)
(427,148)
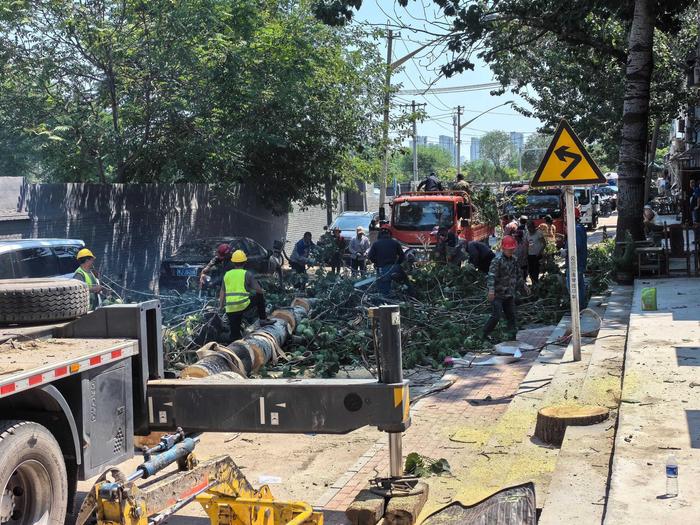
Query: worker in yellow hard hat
(240,293)
(86,274)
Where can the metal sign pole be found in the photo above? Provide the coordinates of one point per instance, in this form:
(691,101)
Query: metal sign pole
(573,271)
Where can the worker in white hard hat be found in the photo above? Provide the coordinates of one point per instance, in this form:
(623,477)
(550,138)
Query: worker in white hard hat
(240,292)
(86,274)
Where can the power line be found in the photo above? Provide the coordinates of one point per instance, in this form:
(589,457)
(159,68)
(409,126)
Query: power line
(452,89)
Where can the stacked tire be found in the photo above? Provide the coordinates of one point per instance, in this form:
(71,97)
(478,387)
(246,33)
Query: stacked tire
(26,301)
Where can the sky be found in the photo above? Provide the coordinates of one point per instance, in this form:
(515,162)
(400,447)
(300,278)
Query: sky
(418,73)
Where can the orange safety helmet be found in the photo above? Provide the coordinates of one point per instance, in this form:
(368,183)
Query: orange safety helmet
(509,243)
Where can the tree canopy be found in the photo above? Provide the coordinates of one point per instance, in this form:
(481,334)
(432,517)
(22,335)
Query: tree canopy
(169,91)
(430,159)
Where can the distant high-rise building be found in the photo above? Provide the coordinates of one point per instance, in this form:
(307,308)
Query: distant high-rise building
(475,149)
(421,140)
(517,140)
(448,144)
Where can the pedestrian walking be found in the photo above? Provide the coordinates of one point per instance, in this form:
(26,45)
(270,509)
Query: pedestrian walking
(536,243)
(387,256)
(359,250)
(240,293)
(505,279)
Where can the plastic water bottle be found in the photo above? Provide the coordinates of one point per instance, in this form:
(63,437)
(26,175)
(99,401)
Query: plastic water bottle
(671,477)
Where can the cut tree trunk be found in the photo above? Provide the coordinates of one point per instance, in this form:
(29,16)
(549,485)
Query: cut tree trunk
(635,119)
(252,351)
(553,420)
(366,509)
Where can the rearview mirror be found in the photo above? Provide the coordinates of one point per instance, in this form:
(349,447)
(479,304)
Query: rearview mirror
(464,211)
(382,214)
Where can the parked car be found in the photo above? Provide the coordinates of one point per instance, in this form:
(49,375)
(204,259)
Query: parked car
(183,267)
(348,221)
(32,258)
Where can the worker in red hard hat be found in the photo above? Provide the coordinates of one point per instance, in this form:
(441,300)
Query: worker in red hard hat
(505,279)
(222,260)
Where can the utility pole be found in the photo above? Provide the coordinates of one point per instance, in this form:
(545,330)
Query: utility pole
(390,67)
(415,142)
(459,138)
(385,126)
(414,108)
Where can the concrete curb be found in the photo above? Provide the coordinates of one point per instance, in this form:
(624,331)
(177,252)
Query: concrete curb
(577,490)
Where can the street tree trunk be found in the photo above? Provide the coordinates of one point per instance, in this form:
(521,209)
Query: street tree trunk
(650,159)
(635,118)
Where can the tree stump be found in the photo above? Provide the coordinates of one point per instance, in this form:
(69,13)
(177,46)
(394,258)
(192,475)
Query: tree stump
(553,420)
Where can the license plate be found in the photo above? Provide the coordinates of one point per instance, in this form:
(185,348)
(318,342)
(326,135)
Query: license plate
(187,271)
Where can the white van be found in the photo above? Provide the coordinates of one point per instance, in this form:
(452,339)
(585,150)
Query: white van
(588,201)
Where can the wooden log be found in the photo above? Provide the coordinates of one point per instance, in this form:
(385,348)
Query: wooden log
(366,509)
(405,510)
(553,420)
(254,350)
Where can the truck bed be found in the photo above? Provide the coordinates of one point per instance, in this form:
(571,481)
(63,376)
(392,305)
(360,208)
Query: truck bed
(25,364)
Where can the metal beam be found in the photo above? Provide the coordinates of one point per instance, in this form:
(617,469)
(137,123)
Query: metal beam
(222,404)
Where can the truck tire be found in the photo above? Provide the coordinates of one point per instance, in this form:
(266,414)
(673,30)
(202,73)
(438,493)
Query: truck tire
(33,479)
(41,300)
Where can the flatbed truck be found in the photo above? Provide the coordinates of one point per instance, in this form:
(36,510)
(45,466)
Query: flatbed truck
(74,394)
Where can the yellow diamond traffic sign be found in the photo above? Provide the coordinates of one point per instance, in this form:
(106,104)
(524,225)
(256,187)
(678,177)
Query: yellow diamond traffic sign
(567,162)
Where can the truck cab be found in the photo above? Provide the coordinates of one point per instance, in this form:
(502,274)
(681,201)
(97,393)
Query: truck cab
(535,203)
(416,217)
(588,202)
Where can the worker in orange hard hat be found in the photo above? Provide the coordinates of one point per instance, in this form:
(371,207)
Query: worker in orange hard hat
(221,259)
(86,274)
(504,280)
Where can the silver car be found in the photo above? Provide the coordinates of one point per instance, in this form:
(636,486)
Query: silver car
(31,258)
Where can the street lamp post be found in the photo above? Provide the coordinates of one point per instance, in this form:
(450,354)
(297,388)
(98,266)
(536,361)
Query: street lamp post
(460,127)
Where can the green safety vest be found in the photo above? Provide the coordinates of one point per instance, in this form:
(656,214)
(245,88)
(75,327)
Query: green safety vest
(236,296)
(89,278)
(91,281)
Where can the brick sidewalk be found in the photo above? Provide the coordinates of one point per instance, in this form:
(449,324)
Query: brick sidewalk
(478,394)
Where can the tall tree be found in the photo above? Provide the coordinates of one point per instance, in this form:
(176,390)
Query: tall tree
(215,91)
(497,147)
(635,116)
(430,159)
